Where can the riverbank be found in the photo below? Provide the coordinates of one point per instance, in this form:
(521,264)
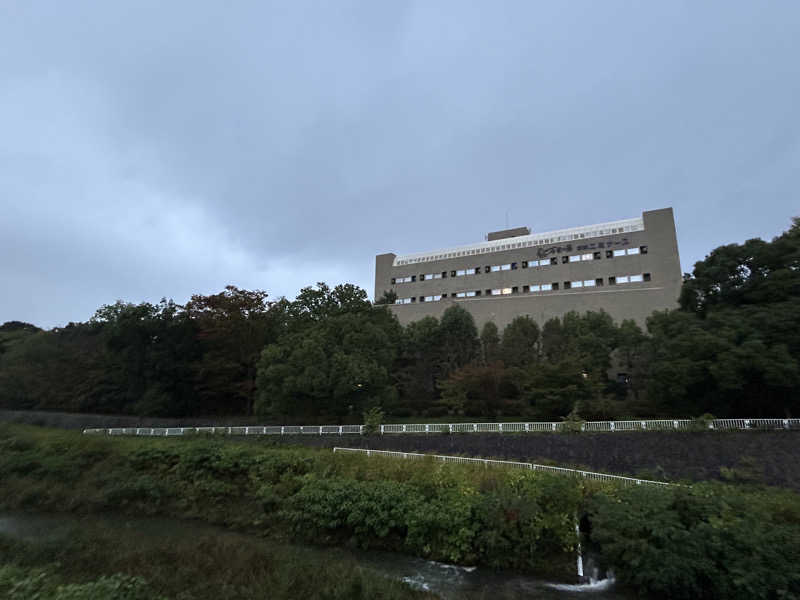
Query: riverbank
(704,541)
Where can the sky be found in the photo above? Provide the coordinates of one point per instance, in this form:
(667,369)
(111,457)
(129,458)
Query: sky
(161,149)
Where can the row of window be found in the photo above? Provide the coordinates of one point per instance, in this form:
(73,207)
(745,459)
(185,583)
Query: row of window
(526,264)
(530,289)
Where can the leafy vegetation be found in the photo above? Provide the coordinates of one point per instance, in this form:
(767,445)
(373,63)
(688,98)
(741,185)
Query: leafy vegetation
(730,349)
(705,541)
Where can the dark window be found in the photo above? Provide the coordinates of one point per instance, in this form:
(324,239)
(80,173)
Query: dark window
(599,282)
(452,273)
(393,280)
(623,378)
(477,292)
(555,285)
(612,281)
(646,277)
(422,298)
(567,285)
(422,277)
(444,274)
(444,295)
(513,266)
(477,270)
(609,254)
(413,278)
(413,298)
(526,289)
(643,249)
(488,292)
(515,290)
(487,268)
(564,260)
(524,264)
(554,261)
(597,256)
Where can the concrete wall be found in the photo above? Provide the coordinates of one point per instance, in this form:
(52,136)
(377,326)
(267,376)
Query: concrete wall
(627,301)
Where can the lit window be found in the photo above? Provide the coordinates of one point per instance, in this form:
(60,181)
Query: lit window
(495,268)
(507,291)
(546,287)
(619,253)
(497,292)
(633,251)
(403,301)
(461,295)
(470,294)
(576,284)
(461,272)
(534,288)
(574,258)
(432,298)
(622,279)
(588,283)
(505,267)
(533,263)
(587,256)
(636,278)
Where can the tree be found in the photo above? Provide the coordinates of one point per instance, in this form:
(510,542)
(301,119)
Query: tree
(520,344)
(490,343)
(458,340)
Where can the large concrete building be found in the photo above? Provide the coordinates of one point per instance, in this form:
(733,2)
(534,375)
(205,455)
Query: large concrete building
(628,268)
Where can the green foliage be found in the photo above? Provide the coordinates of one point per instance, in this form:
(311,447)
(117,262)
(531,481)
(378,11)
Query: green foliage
(490,342)
(520,342)
(704,541)
(372,420)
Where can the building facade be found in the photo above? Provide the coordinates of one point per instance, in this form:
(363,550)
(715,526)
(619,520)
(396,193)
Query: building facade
(628,268)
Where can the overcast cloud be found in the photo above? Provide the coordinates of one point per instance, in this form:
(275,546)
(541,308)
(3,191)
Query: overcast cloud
(153,149)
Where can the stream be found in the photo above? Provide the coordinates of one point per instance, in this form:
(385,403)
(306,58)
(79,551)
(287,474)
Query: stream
(449,582)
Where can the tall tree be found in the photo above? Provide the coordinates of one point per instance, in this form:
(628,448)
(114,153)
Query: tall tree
(520,344)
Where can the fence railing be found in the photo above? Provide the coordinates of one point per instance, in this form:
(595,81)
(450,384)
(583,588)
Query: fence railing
(592,426)
(487,462)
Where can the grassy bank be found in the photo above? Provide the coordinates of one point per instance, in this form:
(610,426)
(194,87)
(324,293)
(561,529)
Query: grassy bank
(95,562)
(707,541)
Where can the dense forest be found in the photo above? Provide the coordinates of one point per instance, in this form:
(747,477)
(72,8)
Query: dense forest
(731,348)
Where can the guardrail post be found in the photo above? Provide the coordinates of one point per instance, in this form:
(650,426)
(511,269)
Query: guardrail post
(786,423)
(381,429)
(474,427)
(427,428)
(527,427)
(282,429)
(675,423)
(644,424)
(404,428)
(501,427)
(229,430)
(747,423)
(340,430)
(612,425)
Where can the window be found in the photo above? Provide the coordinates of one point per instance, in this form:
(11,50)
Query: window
(403,301)
(609,254)
(488,292)
(506,291)
(622,279)
(487,268)
(554,285)
(407,279)
(546,287)
(633,251)
(506,267)
(452,273)
(619,253)
(524,264)
(497,292)
(413,299)
(534,288)
(567,285)
(575,258)
(444,295)
(564,259)
(413,278)
(596,256)
(495,268)
(461,272)
(477,292)
(598,281)
(461,294)
(647,276)
(643,249)
(534,263)
(553,261)
(515,290)
(575,284)
(612,281)
(636,279)
(393,281)
(428,276)
(588,283)
(589,256)
(422,298)
(444,274)
(477,270)
(526,289)
(422,277)
(513,266)
(432,298)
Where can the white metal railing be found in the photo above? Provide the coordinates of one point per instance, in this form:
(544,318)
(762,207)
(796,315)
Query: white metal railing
(486,462)
(591,426)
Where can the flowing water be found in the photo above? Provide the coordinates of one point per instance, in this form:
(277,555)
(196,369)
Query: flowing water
(449,582)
